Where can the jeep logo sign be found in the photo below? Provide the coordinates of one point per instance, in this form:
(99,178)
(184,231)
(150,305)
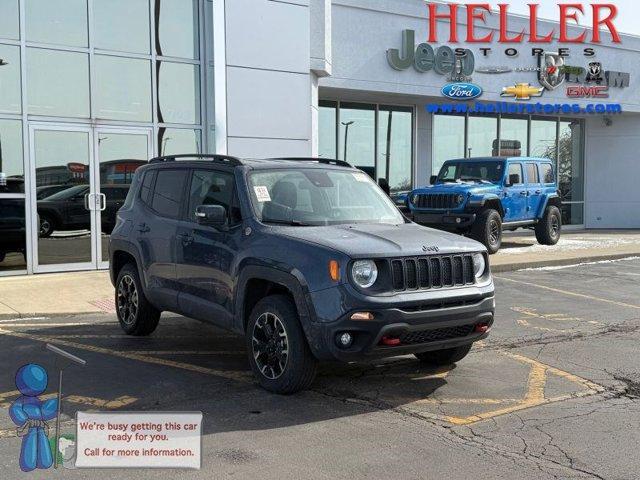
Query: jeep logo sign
(461,91)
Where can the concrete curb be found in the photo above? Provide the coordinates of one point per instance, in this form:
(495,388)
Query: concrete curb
(513,267)
(24,316)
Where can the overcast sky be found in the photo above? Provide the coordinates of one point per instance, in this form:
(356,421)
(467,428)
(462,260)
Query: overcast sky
(628,20)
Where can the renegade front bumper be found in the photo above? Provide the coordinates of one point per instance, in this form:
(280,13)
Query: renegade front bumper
(402,324)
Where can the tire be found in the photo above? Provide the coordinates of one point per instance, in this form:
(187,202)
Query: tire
(440,358)
(273,329)
(47,225)
(487,229)
(3,255)
(549,227)
(135,314)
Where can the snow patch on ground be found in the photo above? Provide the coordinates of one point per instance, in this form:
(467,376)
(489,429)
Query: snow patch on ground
(561,267)
(573,243)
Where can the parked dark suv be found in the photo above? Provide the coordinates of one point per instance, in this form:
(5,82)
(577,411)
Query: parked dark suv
(308,258)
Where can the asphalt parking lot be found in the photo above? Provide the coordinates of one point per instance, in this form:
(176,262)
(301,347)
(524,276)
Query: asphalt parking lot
(554,392)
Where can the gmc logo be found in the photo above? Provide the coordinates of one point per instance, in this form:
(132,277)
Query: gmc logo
(587,91)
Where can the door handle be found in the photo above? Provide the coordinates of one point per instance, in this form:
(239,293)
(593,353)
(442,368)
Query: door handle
(143,228)
(523,193)
(86,201)
(102,201)
(538,192)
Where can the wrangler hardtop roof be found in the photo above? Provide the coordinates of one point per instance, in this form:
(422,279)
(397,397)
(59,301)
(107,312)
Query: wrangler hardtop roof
(253,163)
(499,159)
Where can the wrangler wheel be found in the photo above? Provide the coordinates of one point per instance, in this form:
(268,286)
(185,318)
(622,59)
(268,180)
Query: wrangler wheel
(549,227)
(487,229)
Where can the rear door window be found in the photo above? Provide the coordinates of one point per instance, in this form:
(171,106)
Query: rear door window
(532,173)
(168,192)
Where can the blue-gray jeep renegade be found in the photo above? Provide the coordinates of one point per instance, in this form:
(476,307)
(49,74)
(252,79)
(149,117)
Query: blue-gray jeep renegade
(308,258)
(481,197)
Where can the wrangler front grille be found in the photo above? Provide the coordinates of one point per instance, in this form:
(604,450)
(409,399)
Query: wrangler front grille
(432,272)
(437,200)
(426,336)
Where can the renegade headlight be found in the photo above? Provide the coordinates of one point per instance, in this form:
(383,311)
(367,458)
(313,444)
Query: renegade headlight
(479,264)
(364,273)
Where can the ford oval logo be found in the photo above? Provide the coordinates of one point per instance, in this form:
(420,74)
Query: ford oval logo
(461,91)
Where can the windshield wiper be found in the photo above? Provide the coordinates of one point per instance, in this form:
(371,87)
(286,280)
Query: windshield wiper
(295,223)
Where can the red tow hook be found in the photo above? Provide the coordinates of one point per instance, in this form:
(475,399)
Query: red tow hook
(390,341)
(482,328)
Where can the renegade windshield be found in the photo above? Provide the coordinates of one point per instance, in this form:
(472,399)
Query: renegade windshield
(465,171)
(312,197)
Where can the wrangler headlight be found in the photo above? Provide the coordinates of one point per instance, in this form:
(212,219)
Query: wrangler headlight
(479,264)
(364,273)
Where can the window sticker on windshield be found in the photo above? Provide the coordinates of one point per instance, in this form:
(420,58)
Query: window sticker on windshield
(262,193)
(361,176)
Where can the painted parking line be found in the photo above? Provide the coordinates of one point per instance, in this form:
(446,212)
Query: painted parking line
(187,352)
(569,293)
(555,318)
(242,376)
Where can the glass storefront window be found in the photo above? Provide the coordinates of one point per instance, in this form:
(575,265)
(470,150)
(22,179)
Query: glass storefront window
(178,93)
(122,25)
(327,118)
(13,241)
(482,131)
(570,162)
(395,146)
(11,163)
(9,19)
(10,99)
(179,140)
(543,138)
(111,101)
(448,140)
(177,28)
(57,83)
(513,137)
(58,22)
(356,143)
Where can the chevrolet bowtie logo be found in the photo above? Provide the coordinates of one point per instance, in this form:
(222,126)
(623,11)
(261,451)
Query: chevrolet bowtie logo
(521,91)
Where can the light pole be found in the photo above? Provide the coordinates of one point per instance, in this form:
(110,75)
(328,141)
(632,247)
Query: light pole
(164,145)
(346,136)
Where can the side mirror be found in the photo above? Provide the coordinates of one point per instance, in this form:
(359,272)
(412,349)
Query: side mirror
(514,179)
(211,215)
(432,179)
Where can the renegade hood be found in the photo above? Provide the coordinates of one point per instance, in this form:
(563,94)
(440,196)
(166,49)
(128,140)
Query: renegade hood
(379,240)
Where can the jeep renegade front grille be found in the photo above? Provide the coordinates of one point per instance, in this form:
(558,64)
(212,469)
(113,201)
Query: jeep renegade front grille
(437,200)
(426,336)
(432,272)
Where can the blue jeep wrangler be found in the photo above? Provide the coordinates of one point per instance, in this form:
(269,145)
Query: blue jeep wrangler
(481,197)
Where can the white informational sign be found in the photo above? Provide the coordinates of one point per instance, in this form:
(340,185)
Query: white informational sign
(138,439)
(262,193)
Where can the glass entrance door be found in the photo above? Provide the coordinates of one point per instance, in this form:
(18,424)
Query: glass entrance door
(64,226)
(82,176)
(119,153)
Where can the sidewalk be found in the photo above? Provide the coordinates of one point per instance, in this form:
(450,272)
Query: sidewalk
(59,294)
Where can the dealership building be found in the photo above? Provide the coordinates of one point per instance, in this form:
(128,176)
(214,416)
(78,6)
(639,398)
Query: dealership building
(91,89)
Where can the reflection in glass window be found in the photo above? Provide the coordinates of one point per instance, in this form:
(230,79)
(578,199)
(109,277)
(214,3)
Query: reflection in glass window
(10,99)
(11,162)
(448,140)
(9,19)
(357,127)
(327,118)
(123,89)
(12,235)
(482,131)
(572,213)
(57,83)
(395,128)
(59,22)
(570,162)
(178,93)
(513,137)
(177,28)
(178,140)
(543,138)
(121,25)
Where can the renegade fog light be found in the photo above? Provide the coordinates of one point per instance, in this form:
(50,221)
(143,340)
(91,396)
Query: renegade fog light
(479,264)
(364,273)
(344,340)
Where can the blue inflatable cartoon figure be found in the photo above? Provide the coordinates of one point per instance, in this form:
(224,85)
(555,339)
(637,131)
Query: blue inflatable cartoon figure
(30,414)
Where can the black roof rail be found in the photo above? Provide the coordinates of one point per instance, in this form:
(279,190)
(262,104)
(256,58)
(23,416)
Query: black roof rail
(328,161)
(224,159)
